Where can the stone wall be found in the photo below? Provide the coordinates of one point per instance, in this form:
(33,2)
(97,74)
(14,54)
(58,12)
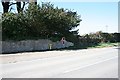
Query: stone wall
(32,45)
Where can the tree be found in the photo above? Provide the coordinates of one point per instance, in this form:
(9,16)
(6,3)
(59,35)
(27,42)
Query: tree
(19,7)
(45,21)
(33,1)
(5,5)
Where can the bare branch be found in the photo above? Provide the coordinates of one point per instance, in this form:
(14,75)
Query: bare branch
(12,4)
(23,6)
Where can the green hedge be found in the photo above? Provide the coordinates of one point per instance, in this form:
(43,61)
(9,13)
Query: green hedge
(93,39)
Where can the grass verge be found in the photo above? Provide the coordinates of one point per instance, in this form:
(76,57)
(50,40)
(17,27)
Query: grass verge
(101,45)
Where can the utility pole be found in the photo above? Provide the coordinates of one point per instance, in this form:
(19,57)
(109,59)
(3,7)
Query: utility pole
(106,28)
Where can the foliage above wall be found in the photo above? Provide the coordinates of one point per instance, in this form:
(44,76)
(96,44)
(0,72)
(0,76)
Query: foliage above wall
(45,21)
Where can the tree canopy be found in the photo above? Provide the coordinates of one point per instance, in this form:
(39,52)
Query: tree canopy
(20,4)
(45,21)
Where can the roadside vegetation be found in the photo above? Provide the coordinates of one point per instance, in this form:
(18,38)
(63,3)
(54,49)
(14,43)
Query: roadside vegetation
(46,21)
(96,40)
(40,22)
(102,45)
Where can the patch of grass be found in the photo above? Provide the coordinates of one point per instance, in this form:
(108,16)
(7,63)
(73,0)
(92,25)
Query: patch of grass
(101,45)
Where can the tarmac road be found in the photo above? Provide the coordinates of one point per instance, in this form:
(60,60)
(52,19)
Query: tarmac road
(86,63)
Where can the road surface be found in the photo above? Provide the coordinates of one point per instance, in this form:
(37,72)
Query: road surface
(86,63)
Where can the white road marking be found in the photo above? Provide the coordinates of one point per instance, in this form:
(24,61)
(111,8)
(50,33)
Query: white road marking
(88,65)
